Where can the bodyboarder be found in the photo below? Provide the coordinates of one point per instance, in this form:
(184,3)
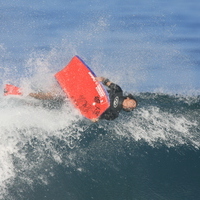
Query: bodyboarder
(118,101)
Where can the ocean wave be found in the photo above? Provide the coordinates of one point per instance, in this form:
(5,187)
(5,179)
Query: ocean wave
(37,135)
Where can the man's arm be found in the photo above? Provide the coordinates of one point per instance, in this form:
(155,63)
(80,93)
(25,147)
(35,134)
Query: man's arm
(109,84)
(105,81)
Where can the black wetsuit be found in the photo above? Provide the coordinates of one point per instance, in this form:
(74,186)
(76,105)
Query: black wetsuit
(116,100)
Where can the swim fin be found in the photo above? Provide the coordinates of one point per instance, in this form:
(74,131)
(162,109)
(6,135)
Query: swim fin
(12,90)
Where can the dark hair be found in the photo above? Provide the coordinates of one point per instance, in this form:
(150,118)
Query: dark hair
(130,96)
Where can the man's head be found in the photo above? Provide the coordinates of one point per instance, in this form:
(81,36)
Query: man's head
(129,103)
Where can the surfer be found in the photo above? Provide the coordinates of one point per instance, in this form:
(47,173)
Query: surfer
(118,101)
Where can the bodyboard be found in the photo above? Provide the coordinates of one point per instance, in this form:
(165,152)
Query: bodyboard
(79,84)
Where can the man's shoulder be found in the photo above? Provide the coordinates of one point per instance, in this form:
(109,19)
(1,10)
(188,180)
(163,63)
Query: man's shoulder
(115,87)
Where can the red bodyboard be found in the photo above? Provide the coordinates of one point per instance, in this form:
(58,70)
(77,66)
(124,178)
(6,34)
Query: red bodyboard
(12,90)
(86,93)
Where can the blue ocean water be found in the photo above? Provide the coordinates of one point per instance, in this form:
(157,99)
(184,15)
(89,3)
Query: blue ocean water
(151,49)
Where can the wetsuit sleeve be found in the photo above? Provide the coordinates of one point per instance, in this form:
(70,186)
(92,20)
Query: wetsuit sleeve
(116,88)
(109,116)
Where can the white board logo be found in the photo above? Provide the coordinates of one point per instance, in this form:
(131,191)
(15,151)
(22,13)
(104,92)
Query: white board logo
(116,102)
(92,76)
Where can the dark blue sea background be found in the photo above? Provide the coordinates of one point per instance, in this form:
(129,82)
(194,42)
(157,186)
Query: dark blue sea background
(151,48)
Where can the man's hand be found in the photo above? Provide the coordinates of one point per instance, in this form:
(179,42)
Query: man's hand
(105,81)
(100,79)
(95,120)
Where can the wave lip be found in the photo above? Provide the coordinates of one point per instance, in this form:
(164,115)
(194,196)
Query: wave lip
(161,118)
